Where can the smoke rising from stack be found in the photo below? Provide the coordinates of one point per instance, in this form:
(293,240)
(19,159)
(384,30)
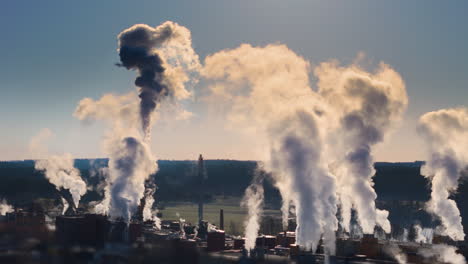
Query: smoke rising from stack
(316,144)
(130,166)
(58,169)
(446,135)
(253,201)
(5,207)
(130,159)
(165,60)
(162,56)
(268,90)
(365,107)
(148,213)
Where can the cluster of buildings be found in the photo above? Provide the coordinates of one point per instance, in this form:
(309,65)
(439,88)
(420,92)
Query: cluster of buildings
(28,236)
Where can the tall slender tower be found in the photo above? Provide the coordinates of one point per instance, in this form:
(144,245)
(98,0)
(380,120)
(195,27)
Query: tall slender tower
(201,187)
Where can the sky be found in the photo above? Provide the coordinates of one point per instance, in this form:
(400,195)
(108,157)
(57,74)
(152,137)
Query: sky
(54,53)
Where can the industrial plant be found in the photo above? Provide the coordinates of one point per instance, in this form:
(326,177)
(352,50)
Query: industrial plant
(32,235)
(295,146)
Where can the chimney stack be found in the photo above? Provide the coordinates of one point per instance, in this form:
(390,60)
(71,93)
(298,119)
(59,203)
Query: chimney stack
(221,219)
(201,189)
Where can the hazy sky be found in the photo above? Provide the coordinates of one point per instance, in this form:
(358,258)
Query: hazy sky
(54,53)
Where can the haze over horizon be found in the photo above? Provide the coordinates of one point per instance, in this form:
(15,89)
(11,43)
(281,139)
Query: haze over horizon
(46,71)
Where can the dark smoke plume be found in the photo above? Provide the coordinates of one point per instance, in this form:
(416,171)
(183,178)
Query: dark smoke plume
(149,51)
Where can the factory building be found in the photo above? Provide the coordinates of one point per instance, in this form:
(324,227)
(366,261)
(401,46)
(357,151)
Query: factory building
(88,229)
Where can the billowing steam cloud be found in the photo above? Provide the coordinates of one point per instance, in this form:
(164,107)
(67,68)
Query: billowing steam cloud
(148,214)
(304,134)
(442,253)
(269,94)
(164,59)
(5,207)
(65,206)
(395,252)
(130,159)
(365,107)
(446,133)
(423,235)
(130,166)
(162,56)
(298,156)
(253,200)
(58,169)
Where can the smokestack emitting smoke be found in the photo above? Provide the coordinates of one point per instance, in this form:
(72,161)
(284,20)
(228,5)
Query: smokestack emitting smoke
(253,200)
(5,207)
(268,90)
(316,144)
(161,55)
(164,59)
(130,166)
(148,213)
(58,169)
(302,132)
(446,135)
(130,160)
(365,107)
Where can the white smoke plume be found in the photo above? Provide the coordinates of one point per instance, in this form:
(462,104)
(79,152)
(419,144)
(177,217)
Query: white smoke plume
(268,94)
(364,107)
(442,253)
(423,235)
(164,59)
(253,201)
(395,252)
(58,169)
(148,213)
(130,165)
(446,135)
(5,207)
(316,144)
(65,206)
(130,159)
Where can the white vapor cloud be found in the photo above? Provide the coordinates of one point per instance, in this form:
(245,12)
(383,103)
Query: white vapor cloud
(446,135)
(58,169)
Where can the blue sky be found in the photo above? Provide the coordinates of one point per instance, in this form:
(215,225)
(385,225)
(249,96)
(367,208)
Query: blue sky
(54,53)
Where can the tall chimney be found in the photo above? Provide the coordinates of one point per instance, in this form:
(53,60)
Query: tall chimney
(221,219)
(201,179)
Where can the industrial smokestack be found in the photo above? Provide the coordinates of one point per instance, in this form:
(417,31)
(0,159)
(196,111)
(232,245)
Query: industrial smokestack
(201,176)
(221,219)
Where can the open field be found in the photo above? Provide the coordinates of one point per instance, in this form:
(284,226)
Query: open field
(234,214)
